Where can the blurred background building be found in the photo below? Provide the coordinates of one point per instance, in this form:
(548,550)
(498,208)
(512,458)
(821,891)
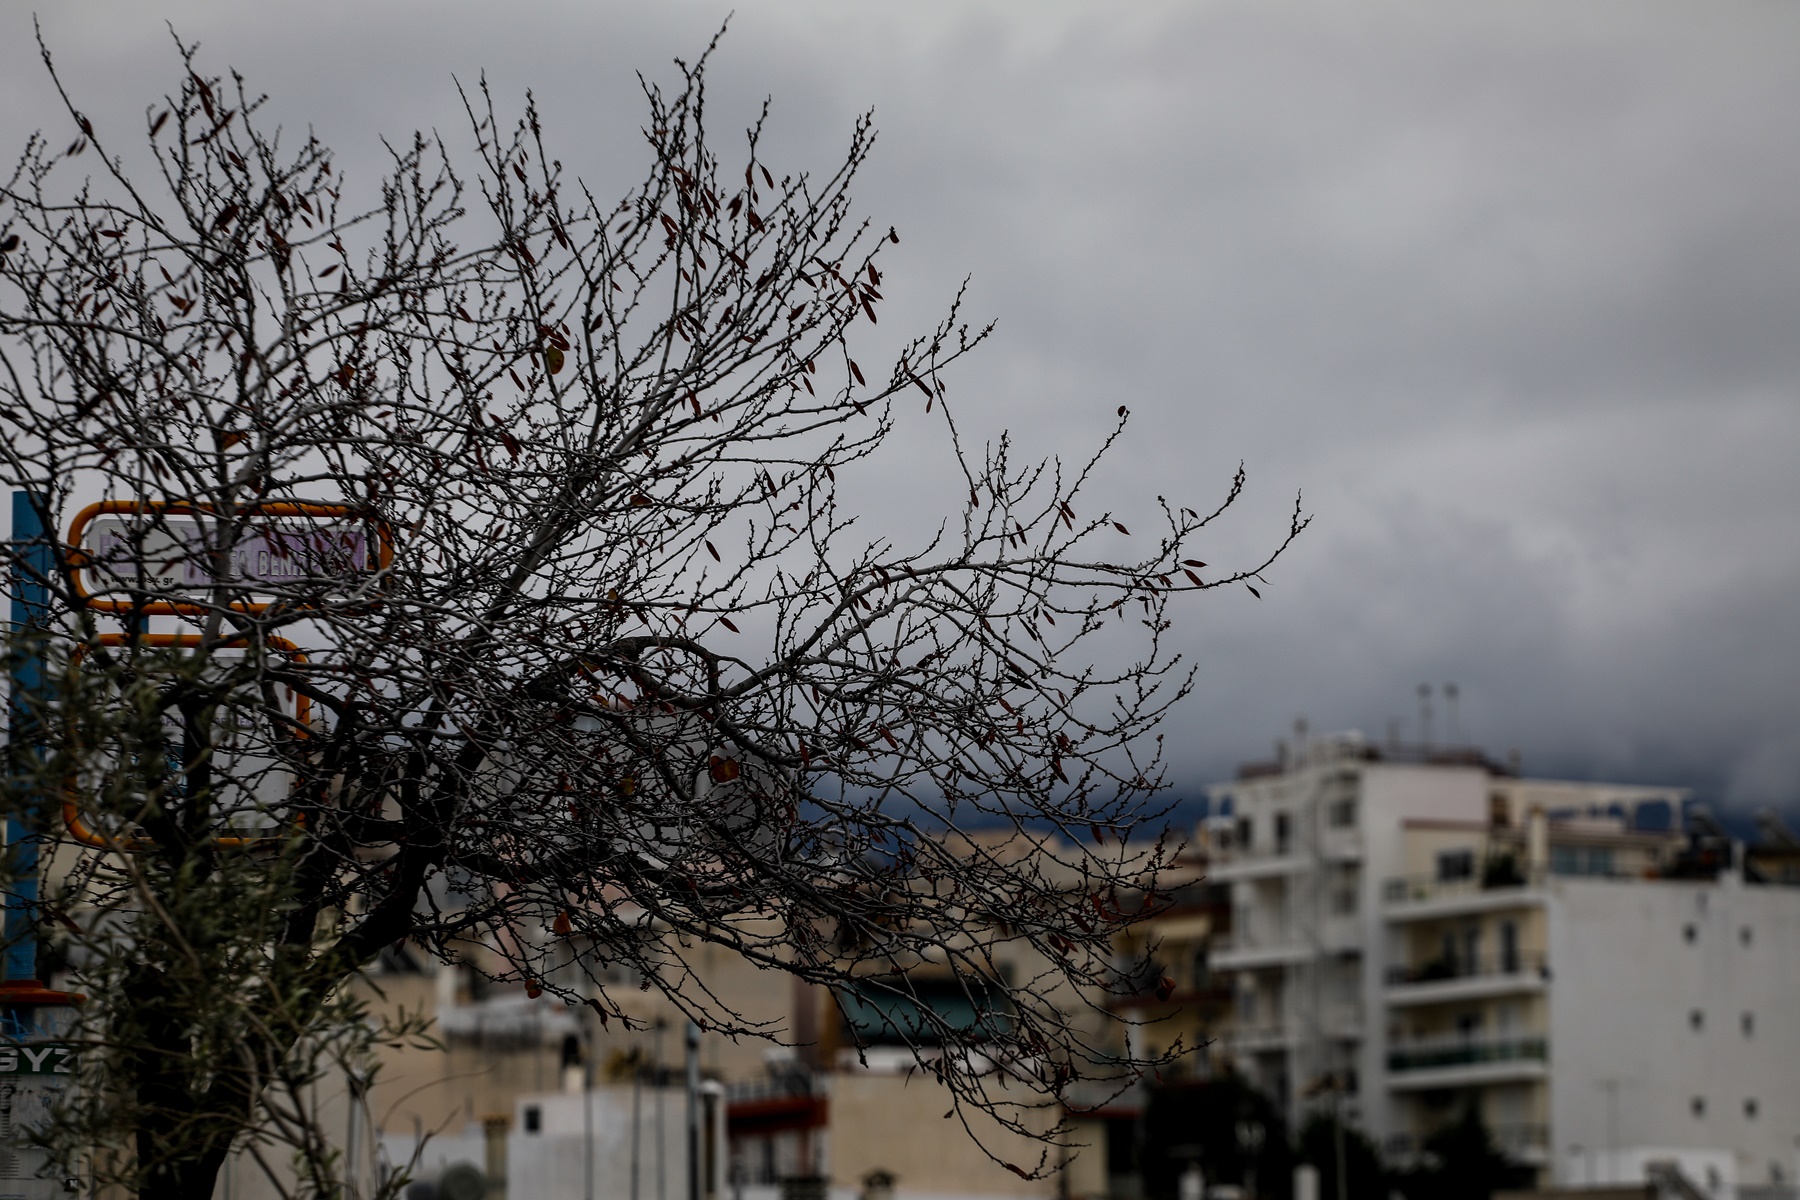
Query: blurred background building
(1368,952)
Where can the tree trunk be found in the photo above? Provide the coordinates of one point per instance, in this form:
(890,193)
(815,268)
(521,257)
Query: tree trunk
(181,1136)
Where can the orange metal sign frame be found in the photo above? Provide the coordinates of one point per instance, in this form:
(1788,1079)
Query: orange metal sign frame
(84,518)
(80,830)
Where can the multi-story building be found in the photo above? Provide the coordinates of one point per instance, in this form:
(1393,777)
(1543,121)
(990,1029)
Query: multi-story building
(1415,932)
(836,1093)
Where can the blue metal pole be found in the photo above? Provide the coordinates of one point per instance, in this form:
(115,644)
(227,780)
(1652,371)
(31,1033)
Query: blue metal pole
(30,604)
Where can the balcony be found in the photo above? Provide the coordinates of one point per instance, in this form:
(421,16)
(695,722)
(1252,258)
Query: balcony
(1337,1022)
(1341,845)
(1249,1039)
(1525,1143)
(1444,980)
(1424,897)
(1296,857)
(1341,934)
(1246,952)
(1342,1021)
(1466,1062)
(509,1019)
(1232,867)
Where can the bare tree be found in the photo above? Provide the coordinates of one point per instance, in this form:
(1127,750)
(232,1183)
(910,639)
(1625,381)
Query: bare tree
(470,565)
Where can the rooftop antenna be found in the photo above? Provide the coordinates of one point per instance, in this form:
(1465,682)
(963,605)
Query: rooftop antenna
(1425,715)
(1452,726)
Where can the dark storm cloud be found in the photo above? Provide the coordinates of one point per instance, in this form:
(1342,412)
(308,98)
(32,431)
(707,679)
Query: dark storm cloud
(1509,289)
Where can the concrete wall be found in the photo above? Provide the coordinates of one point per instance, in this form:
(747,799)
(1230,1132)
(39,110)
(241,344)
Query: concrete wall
(552,1163)
(896,1123)
(1628,1062)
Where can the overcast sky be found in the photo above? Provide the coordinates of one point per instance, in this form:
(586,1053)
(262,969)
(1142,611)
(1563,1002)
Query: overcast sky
(1510,289)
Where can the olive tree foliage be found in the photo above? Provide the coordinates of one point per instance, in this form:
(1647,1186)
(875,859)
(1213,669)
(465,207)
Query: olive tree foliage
(578,655)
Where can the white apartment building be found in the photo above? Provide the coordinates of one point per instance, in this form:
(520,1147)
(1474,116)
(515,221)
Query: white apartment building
(1423,931)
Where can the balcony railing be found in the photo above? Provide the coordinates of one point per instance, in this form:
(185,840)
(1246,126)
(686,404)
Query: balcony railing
(1264,937)
(1409,889)
(778,1085)
(509,1019)
(1495,966)
(1521,1139)
(1499,875)
(1262,1033)
(1463,1052)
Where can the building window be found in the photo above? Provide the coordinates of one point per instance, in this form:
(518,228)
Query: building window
(1343,901)
(1244,830)
(1581,860)
(1750,1108)
(1509,948)
(1698,1106)
(534,1119)
(1696,1020)
(1342,813)
(1284,832)
(1453,865)
(1748,1023)
(1744,935)
(1689,933)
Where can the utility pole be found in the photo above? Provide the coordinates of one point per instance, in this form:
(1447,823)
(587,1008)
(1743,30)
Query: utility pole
(692,1039)
(30,599)
(587,1106)
(637,1114)
(34,1021)
(662,1142)
(1612,1128)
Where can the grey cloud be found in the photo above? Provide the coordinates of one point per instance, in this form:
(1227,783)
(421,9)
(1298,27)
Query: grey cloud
(1508,288)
